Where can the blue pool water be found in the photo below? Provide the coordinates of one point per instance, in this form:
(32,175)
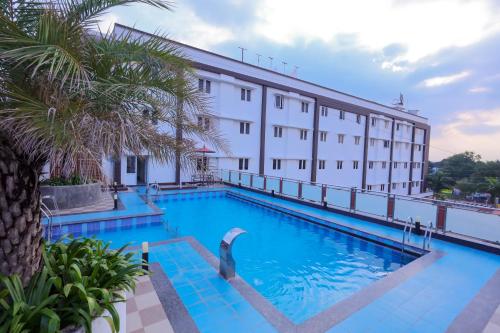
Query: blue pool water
(300,267)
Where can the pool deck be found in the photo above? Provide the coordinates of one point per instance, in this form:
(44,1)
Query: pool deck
(457,290)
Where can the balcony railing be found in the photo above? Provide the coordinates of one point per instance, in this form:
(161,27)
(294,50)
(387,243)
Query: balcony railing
(472,221)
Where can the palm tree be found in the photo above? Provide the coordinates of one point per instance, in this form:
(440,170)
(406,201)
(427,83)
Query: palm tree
(70,96)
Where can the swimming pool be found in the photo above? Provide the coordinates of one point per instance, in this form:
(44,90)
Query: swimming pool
(302,268)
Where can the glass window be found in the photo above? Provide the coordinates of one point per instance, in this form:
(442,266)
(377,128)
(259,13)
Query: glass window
(131,162)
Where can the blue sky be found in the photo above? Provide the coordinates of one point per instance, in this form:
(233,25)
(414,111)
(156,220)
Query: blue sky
(443,55)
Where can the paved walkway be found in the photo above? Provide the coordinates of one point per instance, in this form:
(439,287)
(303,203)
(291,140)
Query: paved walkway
(144,311)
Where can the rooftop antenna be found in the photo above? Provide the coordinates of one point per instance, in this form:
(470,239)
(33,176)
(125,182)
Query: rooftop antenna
(242,52)
(258,59)
(399,103)
(271,62)
(284,67)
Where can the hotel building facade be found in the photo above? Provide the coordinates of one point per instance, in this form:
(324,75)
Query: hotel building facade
(279,125)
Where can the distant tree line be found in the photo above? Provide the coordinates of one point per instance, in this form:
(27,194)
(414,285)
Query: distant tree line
(467,173)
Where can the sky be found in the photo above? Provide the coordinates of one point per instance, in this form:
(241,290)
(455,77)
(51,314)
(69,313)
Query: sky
(442,55)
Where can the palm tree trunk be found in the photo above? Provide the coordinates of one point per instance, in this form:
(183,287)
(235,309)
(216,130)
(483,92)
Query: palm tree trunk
(20,227)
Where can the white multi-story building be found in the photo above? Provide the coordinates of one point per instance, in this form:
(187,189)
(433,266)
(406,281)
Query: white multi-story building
(282,126)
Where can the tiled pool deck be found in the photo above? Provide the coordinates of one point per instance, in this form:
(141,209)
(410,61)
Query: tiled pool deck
(458,291)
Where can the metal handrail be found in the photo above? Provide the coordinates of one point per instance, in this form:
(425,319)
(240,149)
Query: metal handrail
(465,206)
(155,186)
(48,215)
(427,237)
(407,231)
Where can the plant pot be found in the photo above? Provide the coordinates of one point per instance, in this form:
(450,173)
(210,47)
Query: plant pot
(101,325)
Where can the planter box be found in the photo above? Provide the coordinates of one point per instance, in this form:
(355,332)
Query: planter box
(101,325)
(72,196)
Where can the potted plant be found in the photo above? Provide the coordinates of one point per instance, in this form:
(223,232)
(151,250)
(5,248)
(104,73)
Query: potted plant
(81,288)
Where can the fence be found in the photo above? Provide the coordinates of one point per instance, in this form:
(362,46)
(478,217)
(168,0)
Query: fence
(481,223)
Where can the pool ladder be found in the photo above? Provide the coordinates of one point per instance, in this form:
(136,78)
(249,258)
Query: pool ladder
(427,237)
(47,213)
(153,186)
(407,232)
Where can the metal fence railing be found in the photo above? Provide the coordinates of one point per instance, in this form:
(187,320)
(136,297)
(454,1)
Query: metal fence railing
(469,220)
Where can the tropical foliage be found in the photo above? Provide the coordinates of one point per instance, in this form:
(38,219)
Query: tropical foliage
(70,95)
(466,172)
(80,279)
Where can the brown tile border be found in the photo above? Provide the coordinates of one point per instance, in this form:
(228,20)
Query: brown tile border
(319,323)
(476,315)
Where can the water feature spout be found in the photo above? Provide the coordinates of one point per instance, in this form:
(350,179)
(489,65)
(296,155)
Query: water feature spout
(227,265)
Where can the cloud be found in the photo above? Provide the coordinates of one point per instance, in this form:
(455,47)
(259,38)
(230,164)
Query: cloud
(182,24)
(444,80)
(479,90)
(420,28)
(476,130)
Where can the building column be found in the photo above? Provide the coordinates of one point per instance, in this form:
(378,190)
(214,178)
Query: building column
(412,156)
(314,163)
(425,159)
(391,155)
(178,141)
(263,110)
(365,151)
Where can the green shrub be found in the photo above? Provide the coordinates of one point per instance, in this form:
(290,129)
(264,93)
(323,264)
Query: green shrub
(30,309)
(61,181)
(81,278)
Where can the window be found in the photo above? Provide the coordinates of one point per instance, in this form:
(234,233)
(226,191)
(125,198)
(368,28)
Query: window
(417,184)
(386,143)
(372,142)
(322,164)
(305,107)
(356,140)
(302,164)
(339,165)
(278,101)
(395,165)
(244,128)
(204,122)
(341,138)
(276,164)
(324,111)
(419,148)
(246,94)
(394,186)
(278,132)
(204,85)
(131,164)
(370,165)
(243,164)
(374,122)
(322,136)
(369,187)
(384,165)
(355,165)
(404,185)
(358,118)
(397,129)
(386,123)
(303,134)
(341,115)
(406,165)
(382,187)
